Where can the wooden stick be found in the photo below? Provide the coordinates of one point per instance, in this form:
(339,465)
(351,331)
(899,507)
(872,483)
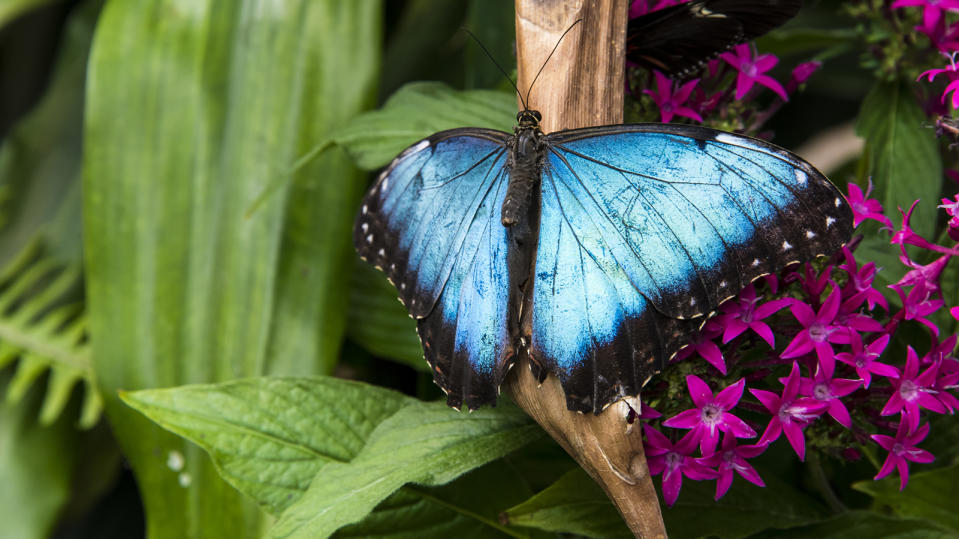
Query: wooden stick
(581,86)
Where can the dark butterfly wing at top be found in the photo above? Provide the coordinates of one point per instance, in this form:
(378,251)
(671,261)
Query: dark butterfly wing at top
(432,223)
(646,227)
(680,39)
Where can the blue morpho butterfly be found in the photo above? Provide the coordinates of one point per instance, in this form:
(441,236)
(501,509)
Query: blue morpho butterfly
(597,252)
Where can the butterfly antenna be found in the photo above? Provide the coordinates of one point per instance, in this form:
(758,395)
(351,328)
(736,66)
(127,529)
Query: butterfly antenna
(490,56)
(560,40)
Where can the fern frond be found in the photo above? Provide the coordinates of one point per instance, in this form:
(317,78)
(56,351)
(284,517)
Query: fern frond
(43,328)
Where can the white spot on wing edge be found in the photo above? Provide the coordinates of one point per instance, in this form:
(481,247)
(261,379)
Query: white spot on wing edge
(755,262)
(801,177)
(838,202)
(810,234)
(830,221)
(419,146)
(364,209)
(737,140)
(786,246)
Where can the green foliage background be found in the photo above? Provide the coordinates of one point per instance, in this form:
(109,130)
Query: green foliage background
(175,208)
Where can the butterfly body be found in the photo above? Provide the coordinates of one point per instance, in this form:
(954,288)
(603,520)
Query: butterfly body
(595,252)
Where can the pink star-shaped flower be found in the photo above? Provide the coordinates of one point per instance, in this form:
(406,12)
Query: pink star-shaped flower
(674,461)
(703,345)
(673,104)
(711,414)
(863,358)
(931,9)
(864,207)
(732,458)
(819,330)
(743,313)
(823,387)
(913,391)
(751,70)
(858,289)
(790,413)
(901,449)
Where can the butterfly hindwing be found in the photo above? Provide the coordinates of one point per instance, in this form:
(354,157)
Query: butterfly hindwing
(431,222)
(644,228)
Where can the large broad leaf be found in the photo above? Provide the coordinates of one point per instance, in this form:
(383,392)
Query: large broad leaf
(930,495)
(903,154)
(745,509)
(424,443)
(862,524)
(270,436)
(195,108)
(573,504)
(466,508)
(418,110)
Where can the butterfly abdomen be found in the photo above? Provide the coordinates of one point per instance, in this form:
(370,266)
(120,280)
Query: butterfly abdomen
(525,164)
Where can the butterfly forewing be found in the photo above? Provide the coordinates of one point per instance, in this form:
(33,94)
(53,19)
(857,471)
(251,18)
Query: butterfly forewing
(431,222)
(644,226)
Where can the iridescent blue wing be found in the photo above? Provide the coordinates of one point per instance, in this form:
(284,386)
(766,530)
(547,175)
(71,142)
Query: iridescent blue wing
(431,223)
(646,228)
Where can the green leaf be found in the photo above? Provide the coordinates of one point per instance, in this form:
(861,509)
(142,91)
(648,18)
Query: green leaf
(11,9)
(573,504)
(903,155)
(46,468)
(379,322)
(862,524)
(194,109)
(269,436)
(745,509)
(424,443)
(467,507)
(418,110)
(930,495)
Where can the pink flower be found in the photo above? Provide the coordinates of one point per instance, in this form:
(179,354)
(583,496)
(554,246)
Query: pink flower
(732,458)
(742,313)
(863,358)
(864,207)
(901,449)
(953,75)
(823,387)
(751,70)
(674,461)
(790,413)
(711,414)
(944,38)
(918,306)
(672,104)
(819,330)
(859,285)
(642,7)
(907,236)
(913,391)
(932,9)
(707,349)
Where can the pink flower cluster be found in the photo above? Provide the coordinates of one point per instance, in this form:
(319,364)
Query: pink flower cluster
(834,328)
(712,94)
(944,38)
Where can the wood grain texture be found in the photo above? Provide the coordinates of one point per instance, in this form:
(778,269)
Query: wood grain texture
(581,86)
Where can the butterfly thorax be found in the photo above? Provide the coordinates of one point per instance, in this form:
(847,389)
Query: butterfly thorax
(527,149)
